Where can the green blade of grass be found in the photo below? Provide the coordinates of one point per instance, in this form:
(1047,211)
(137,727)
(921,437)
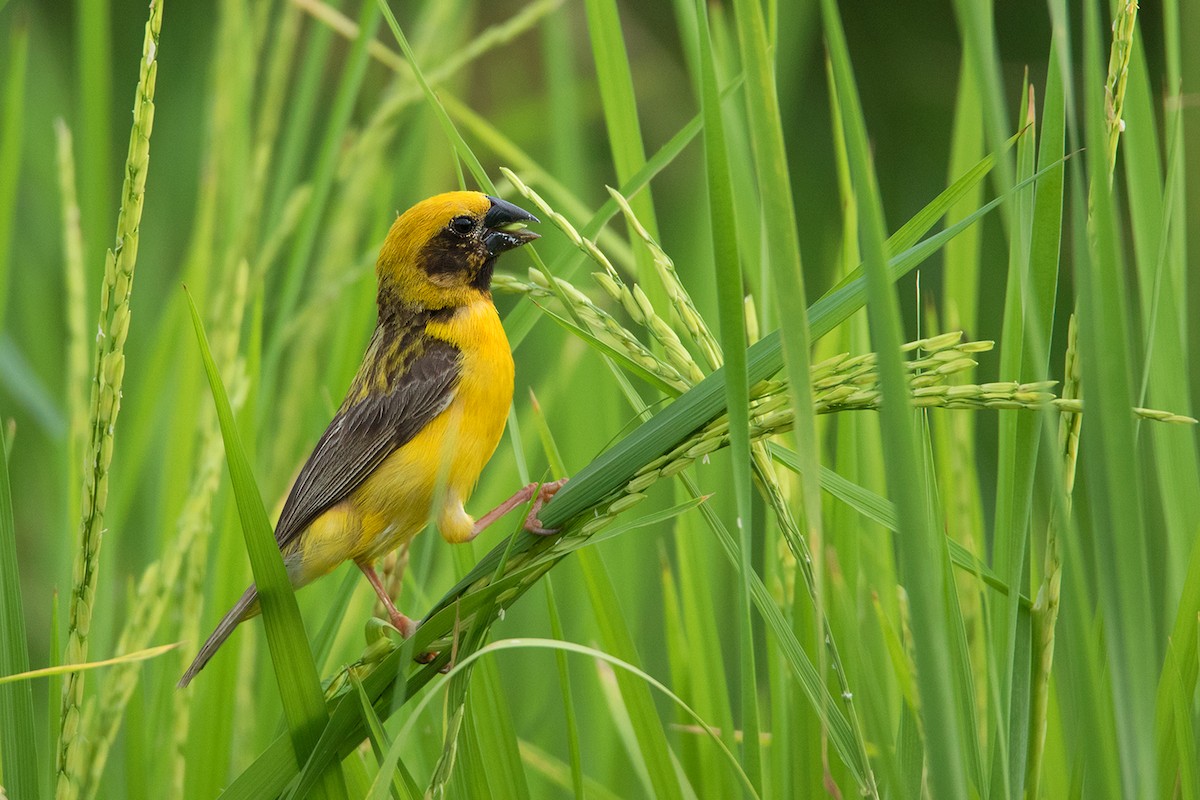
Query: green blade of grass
(1017,451)
(693,647)
(618,640)
(920,547)
(615,81)
(11,129)
(731,314)
(494,728)
(295,671)
(1177,684)
(18,740)
(1156,238)
(841,734)
(1114,479)
(1040,298)
(632,670)
(784,264)
(302,105)
(392,774)
(564,682)
(977,29)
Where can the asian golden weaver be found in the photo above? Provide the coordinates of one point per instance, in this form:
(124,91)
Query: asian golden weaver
(424,413)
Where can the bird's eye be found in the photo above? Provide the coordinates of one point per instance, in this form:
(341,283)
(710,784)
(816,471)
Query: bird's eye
(462,225)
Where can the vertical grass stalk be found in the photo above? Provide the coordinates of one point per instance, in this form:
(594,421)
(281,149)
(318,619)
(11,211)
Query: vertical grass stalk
(106,403)
(12,126)
(731,313)
(1045,606)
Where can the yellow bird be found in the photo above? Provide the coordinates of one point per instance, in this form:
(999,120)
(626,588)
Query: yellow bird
(424,413)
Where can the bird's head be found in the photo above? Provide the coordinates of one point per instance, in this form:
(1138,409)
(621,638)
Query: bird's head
(441,252)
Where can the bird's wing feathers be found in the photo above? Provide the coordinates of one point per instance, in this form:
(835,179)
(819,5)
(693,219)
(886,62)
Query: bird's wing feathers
(366,432)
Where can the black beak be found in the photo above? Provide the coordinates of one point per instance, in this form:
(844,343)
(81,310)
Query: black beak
(504,226)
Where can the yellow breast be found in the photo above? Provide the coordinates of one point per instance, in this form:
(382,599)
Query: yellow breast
(442,463)
(475,419)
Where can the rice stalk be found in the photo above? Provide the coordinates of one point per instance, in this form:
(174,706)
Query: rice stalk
(158,587)
(1118,76)
(1045,607)
(841,383)
(606,328)
(106,402)
(848,384)
(678,362)
(681,300)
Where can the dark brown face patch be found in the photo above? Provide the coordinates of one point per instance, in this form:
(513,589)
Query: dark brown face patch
(451,259)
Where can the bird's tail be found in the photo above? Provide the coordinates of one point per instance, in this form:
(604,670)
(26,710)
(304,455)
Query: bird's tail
(244,608)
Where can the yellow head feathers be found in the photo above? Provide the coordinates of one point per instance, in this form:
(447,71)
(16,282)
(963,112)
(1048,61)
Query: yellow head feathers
(440,253)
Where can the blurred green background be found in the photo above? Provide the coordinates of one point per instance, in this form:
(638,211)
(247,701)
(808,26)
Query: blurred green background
(249,111)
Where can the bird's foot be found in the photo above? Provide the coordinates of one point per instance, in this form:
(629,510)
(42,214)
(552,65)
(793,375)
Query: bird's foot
(406,625)
(547,491)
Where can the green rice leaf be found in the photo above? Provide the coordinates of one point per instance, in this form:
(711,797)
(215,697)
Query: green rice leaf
(1116,489)
(12,126)
(392,772)
(295,671)
(18,740)
(731,313)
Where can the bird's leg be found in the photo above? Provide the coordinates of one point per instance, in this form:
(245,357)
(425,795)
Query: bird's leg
(522,496)
(391,569)
(548,490)
(404,624)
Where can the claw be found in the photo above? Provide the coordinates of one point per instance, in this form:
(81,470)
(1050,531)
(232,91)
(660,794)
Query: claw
(545,493)
(406,625)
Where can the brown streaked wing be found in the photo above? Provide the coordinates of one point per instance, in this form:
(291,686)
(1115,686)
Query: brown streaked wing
(365,433)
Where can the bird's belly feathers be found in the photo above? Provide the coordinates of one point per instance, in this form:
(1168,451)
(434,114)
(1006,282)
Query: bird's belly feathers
(442,463)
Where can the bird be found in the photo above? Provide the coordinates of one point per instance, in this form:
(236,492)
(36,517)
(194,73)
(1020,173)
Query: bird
(423,414)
